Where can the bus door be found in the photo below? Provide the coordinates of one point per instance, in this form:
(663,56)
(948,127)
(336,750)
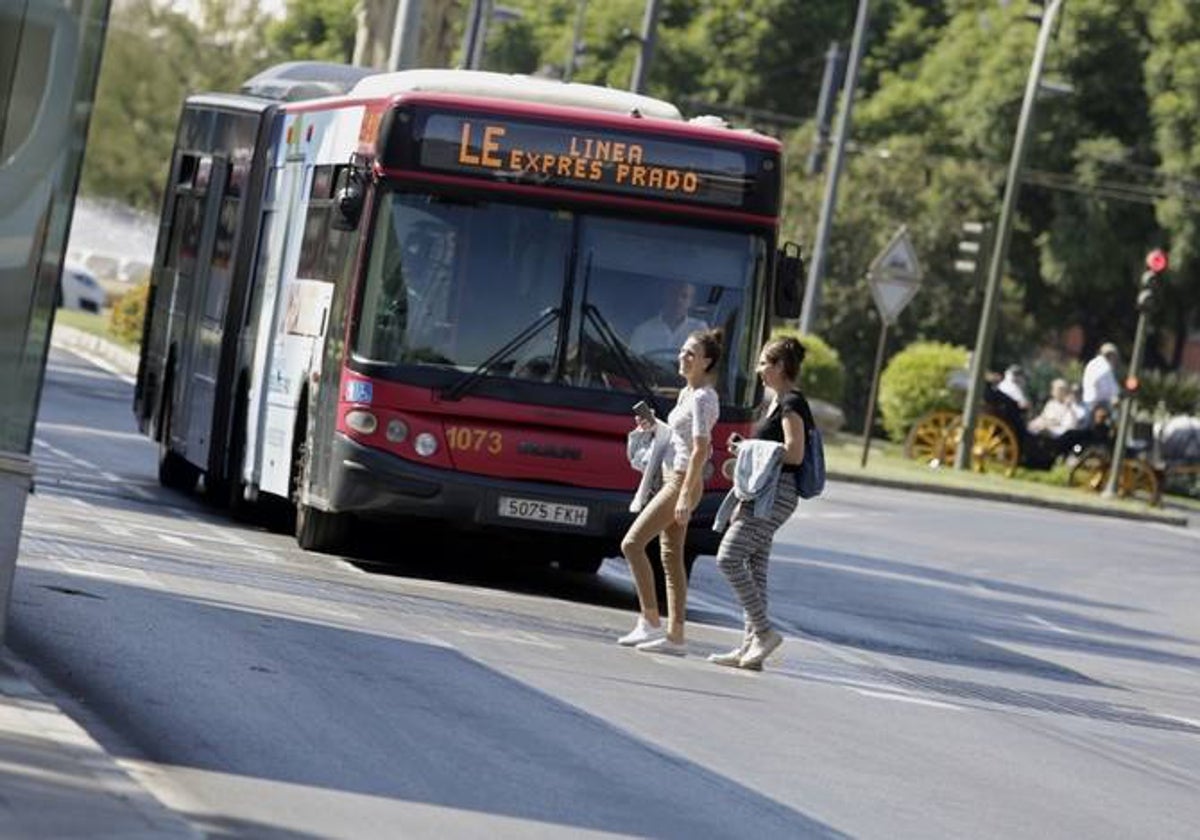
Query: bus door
(200,343)
(276,371)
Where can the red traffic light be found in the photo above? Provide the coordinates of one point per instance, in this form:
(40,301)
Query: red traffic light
(1132,384)
(1157,260)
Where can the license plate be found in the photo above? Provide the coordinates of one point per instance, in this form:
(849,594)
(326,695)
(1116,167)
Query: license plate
(537,511)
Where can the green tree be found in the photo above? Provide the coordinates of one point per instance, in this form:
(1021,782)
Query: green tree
(154,57)
(1174,88)
(315,30)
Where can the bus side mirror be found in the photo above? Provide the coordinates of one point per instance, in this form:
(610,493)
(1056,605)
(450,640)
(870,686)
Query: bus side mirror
(348,201)
(789,266)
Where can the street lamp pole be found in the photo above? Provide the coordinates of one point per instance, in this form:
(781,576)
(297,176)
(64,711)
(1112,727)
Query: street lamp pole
(641,64)
(987,320)
(816,264)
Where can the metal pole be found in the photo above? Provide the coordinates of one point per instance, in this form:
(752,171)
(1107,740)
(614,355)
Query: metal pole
(475,33)
(816,266)
(1012,187)
(830,80)
(641,65)
(883,331)
(406,41)
(1127,404)
(576,41)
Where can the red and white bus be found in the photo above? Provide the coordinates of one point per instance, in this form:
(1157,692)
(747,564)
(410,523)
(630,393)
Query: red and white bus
(438,294)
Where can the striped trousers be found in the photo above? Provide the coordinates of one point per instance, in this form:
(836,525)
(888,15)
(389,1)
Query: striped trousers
(746,548)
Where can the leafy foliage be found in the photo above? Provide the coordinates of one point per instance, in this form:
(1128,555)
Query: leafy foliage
(129,313)
(1177,393)
(917,380)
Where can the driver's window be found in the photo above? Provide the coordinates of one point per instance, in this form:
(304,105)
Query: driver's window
(646,288)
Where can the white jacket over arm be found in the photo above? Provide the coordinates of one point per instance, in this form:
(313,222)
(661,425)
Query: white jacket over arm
(646,449)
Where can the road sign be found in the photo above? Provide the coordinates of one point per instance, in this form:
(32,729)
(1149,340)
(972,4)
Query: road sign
(895,276)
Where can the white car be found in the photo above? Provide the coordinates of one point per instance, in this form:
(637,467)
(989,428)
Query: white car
(79,289)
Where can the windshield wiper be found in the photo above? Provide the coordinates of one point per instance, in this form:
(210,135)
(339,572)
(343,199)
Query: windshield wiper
(460,388)
(625,360)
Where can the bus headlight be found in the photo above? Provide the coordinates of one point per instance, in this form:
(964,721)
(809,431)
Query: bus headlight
(363,422)
(425,444)
(397,431)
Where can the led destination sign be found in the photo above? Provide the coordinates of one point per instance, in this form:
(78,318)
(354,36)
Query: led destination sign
(530,152)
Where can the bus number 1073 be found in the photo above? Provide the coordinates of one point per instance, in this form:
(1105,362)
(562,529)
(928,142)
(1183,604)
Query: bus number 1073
(464,439)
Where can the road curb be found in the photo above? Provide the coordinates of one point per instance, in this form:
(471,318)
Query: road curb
(1012,498)
(126,361)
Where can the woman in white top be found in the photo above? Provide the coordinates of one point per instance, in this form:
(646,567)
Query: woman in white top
(666,515)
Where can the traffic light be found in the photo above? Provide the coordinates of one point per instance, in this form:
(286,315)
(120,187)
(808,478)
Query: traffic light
(1150,286)
(971,247)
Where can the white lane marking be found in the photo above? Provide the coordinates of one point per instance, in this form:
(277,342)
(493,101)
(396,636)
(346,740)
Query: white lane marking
(906,698)
(88,430)
(173,540)
(103,364)
(86,568)
(1180,719)
(1049,625)
(117,530)
(515,637)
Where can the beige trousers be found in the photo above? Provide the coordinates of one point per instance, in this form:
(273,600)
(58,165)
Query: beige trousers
(657,519)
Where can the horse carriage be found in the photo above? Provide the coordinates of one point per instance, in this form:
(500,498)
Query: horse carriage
(1002,443)
(1158,456)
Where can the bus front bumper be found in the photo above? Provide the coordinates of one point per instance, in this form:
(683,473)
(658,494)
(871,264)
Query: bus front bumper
(376,485)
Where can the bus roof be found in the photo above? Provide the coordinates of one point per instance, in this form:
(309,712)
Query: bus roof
(514,87)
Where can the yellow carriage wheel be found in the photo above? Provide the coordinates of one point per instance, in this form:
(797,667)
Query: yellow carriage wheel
(933,439)
(996,447)
(1138,481)
(1089,473)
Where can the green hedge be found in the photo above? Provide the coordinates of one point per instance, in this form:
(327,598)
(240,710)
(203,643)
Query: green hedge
(128,314)
(915,381)
(822,375)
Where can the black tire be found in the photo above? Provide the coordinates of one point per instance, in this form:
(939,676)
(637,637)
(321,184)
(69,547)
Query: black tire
(319,530)
(173,471)
(315,529)
(230,492)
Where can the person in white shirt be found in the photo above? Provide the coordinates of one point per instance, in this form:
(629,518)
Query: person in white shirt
(670,328)
(1100,379)
(667,514)
(1058,414)
(1013,386)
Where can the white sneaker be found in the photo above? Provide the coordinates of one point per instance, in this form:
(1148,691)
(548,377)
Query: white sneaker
(643,631)
(664,645)
(760,648)
(733,658)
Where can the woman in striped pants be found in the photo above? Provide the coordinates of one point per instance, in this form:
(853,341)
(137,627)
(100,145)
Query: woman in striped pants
(746,547)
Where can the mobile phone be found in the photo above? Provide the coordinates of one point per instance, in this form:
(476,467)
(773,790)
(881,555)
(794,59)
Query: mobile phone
(644,410)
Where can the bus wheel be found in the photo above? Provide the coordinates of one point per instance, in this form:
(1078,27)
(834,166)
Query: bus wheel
(316,530)
(319,530)
(173,471)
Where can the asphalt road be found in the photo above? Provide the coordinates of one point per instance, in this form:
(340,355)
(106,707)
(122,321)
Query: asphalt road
(954,668)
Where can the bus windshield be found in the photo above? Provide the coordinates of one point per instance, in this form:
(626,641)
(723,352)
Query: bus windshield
(584,300)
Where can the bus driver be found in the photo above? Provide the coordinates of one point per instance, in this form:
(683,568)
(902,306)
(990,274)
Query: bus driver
(671,326)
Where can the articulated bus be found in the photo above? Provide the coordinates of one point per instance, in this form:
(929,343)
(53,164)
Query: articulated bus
(438,294)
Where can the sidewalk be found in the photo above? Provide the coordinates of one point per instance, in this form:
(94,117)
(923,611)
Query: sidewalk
(57,782)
